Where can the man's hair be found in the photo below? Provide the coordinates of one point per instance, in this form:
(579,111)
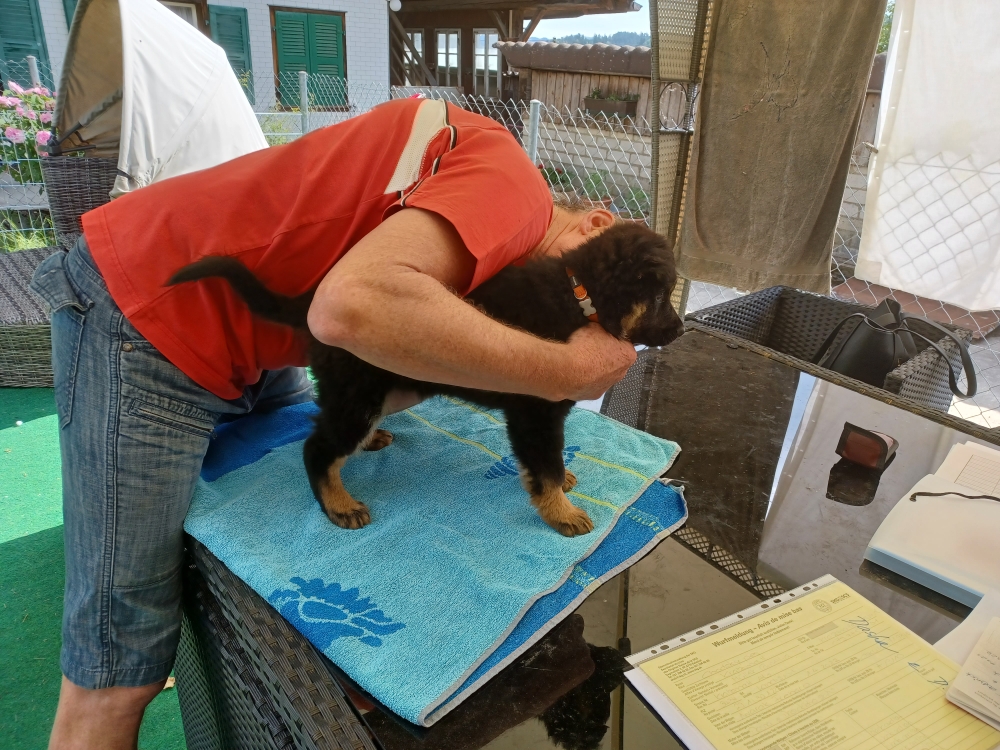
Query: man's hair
(578,204)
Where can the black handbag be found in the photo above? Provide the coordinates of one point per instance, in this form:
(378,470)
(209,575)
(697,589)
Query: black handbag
(882,342)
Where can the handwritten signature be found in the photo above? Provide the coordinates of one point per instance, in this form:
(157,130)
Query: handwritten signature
(922,672)
(864,626)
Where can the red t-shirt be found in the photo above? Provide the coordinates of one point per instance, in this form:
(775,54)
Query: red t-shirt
(290,212)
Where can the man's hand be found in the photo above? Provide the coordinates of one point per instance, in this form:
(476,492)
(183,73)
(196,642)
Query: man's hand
(597,360)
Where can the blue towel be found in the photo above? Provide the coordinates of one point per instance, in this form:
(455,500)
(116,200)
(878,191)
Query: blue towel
(457,574)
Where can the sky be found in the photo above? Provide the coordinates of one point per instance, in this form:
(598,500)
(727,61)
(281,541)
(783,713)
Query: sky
(607,23)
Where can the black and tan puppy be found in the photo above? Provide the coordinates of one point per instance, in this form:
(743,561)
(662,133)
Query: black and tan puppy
(628,272)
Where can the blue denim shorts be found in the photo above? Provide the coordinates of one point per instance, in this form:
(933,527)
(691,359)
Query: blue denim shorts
(133,430)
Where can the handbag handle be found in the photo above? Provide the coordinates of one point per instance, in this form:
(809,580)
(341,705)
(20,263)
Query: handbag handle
(963,352)
(818,357)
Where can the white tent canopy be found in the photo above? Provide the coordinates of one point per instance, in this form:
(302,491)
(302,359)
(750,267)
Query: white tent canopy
(141,84)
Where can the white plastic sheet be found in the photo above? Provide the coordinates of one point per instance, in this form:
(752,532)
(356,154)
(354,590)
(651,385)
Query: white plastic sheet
(932,220)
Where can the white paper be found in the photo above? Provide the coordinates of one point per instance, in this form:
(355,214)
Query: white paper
(977,686)
(958,644)
(973,466)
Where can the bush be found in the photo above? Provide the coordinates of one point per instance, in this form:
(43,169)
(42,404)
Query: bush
(25,130)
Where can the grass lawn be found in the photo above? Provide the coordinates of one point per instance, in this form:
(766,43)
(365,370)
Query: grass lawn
(31,580)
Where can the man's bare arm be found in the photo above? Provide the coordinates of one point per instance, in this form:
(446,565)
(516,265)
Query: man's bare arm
(388,301)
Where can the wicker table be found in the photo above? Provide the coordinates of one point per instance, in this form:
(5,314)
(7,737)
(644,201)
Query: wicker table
(246,679)
(25,338)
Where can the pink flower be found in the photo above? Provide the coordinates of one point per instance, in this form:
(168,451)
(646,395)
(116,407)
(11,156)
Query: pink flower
(45,117)
(5,102)
(14,87)
(42,137)
(31,114)
(50,104)
(14,135)
(19,110)
(44,91)
(13,101)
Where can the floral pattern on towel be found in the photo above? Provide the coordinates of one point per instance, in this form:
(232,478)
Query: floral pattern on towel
(507,466)
(326,612)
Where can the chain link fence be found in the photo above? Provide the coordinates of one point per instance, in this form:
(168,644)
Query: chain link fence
(586,160)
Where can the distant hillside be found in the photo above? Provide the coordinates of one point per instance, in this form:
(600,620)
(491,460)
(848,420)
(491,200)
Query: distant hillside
(621,38)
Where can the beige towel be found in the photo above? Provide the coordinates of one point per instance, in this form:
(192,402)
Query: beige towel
(784,84)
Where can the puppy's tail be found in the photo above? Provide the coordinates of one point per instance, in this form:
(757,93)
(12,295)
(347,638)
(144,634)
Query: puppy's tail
(290,311)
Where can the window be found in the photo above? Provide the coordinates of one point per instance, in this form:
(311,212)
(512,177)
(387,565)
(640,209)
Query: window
(411,68)
(21,35)
(230,31)
(487,63)
(313,42)
(186,11)
(69,8)
(447,49)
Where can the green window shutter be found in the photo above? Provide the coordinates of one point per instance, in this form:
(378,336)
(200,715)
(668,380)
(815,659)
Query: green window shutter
(69,8)
(230,31)
(326,58)
(21,35)
(291,34)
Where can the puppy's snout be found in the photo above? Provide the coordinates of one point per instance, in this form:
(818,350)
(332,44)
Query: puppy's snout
(661,334)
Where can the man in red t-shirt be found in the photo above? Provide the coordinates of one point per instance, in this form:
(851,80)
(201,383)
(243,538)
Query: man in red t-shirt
(389,214)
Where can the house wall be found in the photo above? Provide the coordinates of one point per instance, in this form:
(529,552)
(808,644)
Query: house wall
(56,33)
(367,34)
(367,29)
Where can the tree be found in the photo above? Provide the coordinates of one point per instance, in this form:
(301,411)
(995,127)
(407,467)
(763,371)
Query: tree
(883,36)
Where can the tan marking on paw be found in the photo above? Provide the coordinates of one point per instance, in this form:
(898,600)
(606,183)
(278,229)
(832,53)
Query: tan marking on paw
(337,502)
(570,481)
(559,513)
(630,321)
(378,440)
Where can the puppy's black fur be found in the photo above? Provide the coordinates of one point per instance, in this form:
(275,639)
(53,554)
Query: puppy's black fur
(629,274)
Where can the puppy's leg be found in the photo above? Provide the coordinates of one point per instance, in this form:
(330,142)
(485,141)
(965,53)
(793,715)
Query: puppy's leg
(535,428)
(351,397)
(378,440)
(324,456)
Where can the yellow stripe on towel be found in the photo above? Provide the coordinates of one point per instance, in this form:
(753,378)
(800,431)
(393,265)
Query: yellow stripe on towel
(610,465)
(460,439)
(605,503)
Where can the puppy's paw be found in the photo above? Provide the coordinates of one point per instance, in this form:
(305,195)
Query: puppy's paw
(570,481)
(379,440)
(572,523)
(356,518)
(559,513)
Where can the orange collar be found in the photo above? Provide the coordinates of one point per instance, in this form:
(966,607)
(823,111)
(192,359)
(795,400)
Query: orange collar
(580,292)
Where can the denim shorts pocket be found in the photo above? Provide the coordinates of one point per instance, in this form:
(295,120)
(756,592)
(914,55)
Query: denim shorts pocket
(69,309)
(191,423)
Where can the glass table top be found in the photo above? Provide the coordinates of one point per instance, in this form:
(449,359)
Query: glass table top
(767,511)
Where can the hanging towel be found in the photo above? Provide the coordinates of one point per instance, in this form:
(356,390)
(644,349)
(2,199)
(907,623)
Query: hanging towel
(932,220)
(457,575)
(777,116)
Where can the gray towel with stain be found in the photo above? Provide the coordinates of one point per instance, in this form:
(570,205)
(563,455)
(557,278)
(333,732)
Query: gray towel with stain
(784,84)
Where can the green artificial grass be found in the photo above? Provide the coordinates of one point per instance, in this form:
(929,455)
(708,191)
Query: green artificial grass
(32,577)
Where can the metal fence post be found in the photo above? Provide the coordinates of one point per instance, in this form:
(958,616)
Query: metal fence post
(304,100)
(534,117)
(36,80)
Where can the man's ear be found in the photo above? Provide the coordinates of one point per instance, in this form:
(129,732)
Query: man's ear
(596,220)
